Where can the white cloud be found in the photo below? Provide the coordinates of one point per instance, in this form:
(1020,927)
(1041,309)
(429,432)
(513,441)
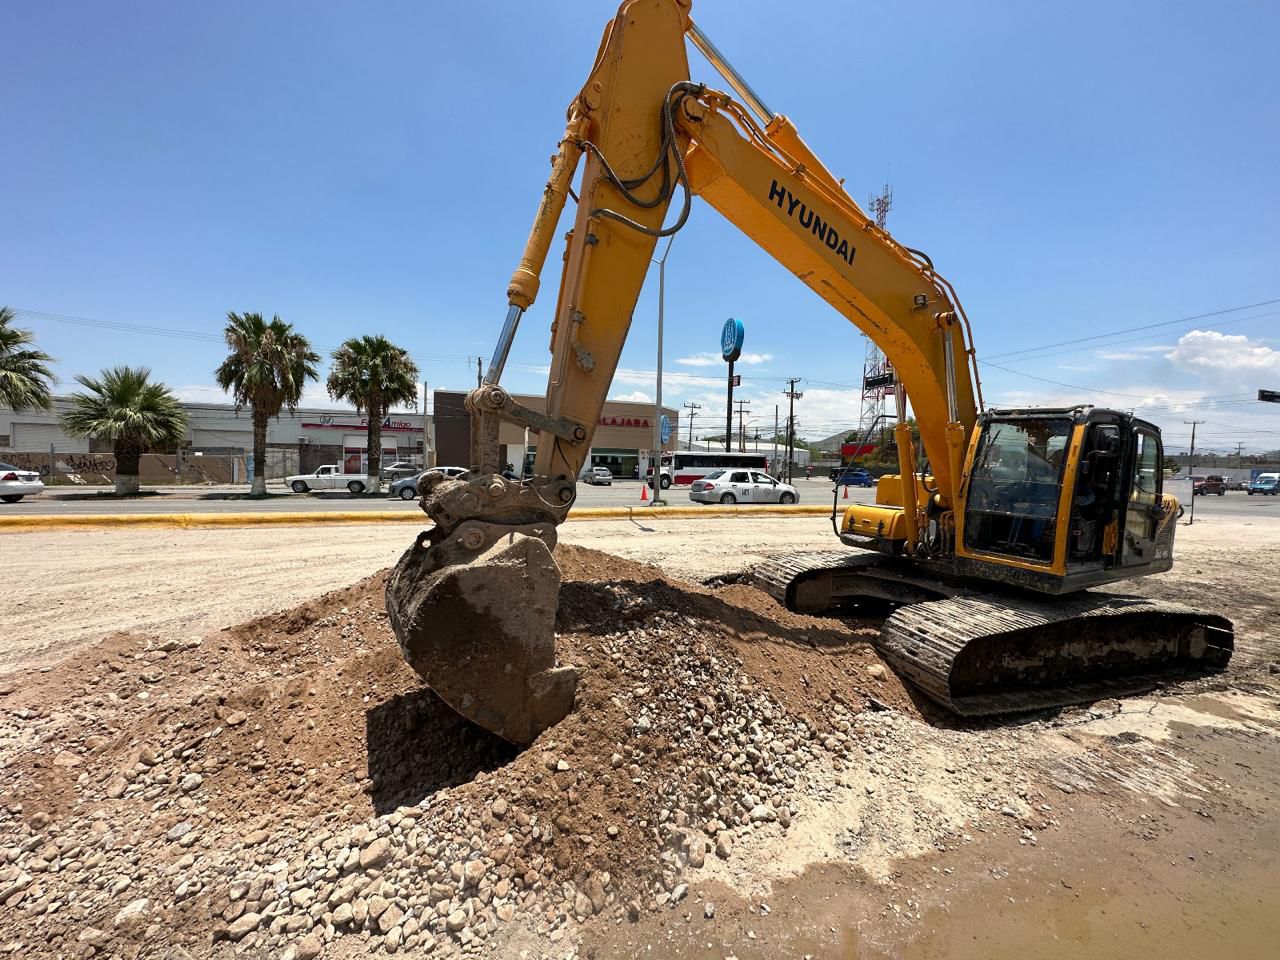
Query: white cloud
(1208,350)
(714,359)
(635,396)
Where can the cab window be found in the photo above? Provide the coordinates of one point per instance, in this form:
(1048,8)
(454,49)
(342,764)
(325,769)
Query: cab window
(1014,487)
(739,477)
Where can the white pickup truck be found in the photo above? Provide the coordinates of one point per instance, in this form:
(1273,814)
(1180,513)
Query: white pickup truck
(328,478)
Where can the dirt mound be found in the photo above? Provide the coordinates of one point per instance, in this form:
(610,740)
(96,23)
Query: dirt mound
(290,778)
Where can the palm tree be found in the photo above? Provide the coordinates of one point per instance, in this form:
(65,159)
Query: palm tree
(134,413)
(25,379)
(373,374)
(269,365)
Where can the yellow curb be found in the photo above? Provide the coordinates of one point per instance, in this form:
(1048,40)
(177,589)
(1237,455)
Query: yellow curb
(90,521)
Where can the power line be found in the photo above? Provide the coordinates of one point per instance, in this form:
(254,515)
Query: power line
(1148,326)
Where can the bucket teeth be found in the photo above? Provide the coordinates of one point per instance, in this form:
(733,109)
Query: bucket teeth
(474,613)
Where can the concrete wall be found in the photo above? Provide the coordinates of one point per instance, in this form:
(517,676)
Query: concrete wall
(622,426)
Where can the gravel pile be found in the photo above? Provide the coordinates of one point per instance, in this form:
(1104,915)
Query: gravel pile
(286,785)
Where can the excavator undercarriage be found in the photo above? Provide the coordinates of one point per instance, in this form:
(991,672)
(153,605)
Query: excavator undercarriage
(976,650)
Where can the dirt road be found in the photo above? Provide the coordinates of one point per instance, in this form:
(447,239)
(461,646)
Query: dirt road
(71,588)
(216,786)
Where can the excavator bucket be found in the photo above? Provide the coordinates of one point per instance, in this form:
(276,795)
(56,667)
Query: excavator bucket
(474,612)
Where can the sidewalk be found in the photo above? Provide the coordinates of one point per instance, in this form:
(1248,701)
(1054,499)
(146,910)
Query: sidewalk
(186,491)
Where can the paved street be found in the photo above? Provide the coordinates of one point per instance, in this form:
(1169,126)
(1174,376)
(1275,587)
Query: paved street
(62,501)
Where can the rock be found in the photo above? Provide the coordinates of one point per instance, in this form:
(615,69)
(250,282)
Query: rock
(378,906)
(147,756)
(392,940)
(94,937)
(132,916)
(116,787)
(876,671)
(342,915)
(1008,811)
(724,846)
(762,813)
(562,766)
(697,852)
(360,912)
(375,854)
(235,718)
(505,911)
(582,906)
(256,838)
(473,872)
(390,918)
(16,885)
(191,782)
(243,925)
(502,888)
(680,892)
(709,910)
(633,910)
(302,897)
(616,761)
(498,808)
(179,830)
(456,921)
(309,947)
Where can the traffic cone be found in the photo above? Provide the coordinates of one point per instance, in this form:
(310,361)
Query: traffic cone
(846,491)
(644,492)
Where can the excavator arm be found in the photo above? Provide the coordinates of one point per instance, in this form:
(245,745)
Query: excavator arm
(473,602)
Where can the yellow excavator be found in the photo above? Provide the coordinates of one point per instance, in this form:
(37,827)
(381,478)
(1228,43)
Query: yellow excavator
(982,545)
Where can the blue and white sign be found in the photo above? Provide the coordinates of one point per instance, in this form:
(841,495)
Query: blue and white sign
(731,340)
(664,428)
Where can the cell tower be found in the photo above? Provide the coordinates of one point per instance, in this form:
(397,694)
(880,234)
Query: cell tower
(877,374)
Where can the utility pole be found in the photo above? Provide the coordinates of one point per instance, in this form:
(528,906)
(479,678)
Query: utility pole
(479,374)
(742,440)
(773,460)
(426,431)
(1191,469)
(693,409)
(794,395)
(728,414)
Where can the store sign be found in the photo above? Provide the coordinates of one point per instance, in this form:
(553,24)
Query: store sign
(731,336)
(395,424)
(664,427)
(623,422)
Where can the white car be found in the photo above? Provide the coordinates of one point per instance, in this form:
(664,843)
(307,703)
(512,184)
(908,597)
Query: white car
(16,483)
(328,478)
(741,486)
(599,476)
(453,473)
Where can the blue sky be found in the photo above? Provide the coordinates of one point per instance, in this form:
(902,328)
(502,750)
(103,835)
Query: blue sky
(1074,169)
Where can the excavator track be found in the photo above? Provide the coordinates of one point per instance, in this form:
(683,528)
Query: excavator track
(979,653)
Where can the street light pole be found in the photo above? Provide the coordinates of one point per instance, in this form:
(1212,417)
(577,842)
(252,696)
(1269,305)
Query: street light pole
(657,403)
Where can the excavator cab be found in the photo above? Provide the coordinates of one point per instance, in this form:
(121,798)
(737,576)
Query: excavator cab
(1061,499)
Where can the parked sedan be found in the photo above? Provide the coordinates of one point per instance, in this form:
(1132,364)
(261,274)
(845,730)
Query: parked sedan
(16,483)
(741,486)
(406,488)
(399,470)
(599,476)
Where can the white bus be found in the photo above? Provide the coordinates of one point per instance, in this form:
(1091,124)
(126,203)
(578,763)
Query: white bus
(682,467)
